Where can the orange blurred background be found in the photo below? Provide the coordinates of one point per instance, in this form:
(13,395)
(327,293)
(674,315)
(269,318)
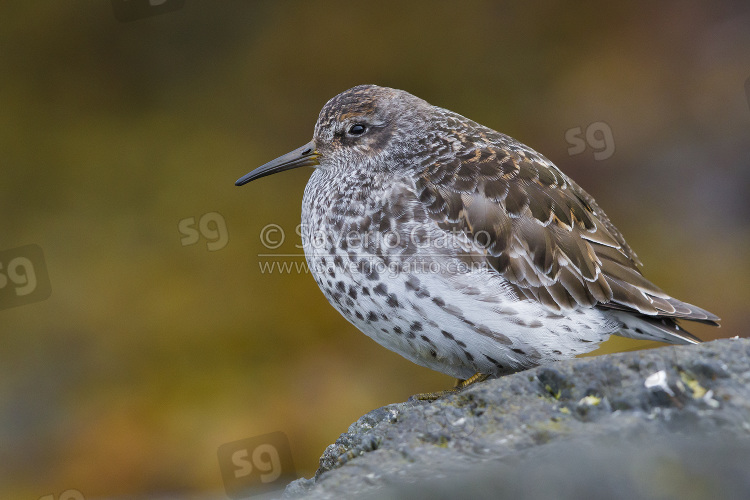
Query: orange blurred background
(162,340)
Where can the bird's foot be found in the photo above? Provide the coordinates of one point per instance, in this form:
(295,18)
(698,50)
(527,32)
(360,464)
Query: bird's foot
(461,384)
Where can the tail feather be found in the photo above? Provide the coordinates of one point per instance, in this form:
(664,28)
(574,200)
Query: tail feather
(662,307)
(661,329)
(693,313)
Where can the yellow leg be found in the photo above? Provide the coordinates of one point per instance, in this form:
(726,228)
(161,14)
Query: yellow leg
(477,377)
(460,385)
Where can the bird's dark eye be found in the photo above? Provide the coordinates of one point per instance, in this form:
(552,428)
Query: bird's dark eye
(357,129)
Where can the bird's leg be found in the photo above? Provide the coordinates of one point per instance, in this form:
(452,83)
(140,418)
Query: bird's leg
(461,384)
(477,377)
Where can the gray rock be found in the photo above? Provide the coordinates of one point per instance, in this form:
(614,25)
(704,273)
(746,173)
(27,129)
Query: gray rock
(672,422)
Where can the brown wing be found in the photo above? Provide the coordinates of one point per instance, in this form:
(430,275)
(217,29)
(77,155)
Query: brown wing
(541,231)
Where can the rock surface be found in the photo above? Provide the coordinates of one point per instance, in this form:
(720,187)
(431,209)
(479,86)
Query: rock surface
(672,422)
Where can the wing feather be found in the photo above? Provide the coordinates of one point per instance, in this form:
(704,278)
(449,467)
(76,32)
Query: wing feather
(540,230)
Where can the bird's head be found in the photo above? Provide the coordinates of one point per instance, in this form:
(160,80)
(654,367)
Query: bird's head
(366,125)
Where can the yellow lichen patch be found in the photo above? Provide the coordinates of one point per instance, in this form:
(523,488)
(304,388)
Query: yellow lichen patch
(590,401)
(698,390)
(553,393)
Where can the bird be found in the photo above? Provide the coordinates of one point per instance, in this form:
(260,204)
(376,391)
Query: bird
(460,248)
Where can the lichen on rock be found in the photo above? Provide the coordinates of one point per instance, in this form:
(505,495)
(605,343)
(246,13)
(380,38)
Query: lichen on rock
(672,422)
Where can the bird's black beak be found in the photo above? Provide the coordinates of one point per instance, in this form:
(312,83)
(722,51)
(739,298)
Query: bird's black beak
(306,156)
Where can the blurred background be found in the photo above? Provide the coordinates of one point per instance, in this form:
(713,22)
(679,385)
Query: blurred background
(160,337)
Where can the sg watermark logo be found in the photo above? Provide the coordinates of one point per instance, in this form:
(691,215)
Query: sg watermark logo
(132,10)
(23,276)
(598,136)
(211,226)
(65,495)
(256,465)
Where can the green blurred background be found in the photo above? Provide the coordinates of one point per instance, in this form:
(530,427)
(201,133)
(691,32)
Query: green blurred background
(150,353)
